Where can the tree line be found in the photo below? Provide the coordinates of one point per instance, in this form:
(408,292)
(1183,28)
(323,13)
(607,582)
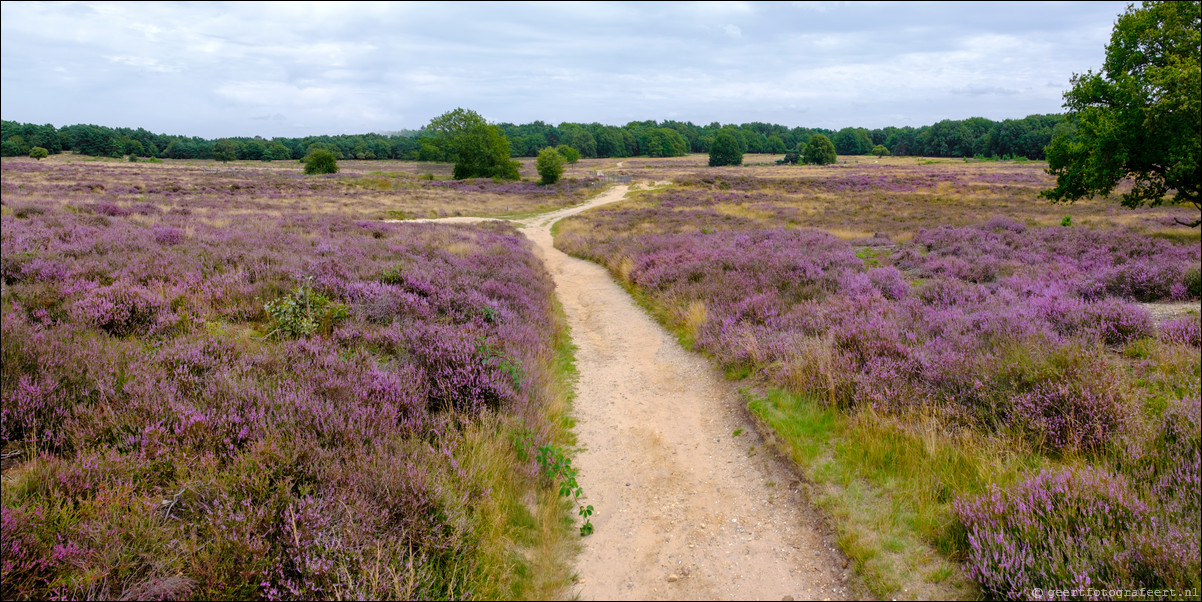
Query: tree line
(971,137)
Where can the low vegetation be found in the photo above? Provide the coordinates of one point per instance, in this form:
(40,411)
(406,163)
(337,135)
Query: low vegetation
(933,380)
(213,394)
(221,192)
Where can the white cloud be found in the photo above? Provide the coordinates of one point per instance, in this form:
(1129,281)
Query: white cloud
(379,66)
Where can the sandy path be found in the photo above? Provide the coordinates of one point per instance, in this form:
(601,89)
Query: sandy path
(684,509)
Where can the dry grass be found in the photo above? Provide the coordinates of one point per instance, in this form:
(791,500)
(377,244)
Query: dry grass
(860,196)
(211,190)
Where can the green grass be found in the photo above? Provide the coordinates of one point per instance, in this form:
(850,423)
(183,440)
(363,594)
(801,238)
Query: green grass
(869,256)
(889,488)
(526,529)
(1184,236)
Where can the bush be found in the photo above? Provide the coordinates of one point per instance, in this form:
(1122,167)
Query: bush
(303,313)
(1075,529)
(38,153)
(320,161)
(880,150)
(1182,331)
(121,309)
(725,151)
(550,165)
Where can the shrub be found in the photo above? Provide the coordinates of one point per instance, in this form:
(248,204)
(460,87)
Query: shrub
(550,165)
(167,235)
(38,153)
(120,309)
(880,150)
(320,161)
(302,313)
(1076,528)
(1182,331)
(1116,322)
(1193,283)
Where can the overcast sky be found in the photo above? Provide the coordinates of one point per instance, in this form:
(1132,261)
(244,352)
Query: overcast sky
(293,69)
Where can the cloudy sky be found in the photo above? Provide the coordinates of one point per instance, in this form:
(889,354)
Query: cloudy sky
(291,69)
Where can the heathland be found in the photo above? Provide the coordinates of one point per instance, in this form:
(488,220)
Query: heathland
(233,380)
(989,393)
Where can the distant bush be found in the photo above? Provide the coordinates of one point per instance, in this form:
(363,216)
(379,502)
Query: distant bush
(550,165)
(320,161)
(38,153)
(880,150)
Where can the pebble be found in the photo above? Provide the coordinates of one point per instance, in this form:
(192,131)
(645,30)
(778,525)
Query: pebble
(673,578)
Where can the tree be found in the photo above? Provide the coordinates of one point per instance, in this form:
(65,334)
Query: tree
(321,161)
(725,150)
(133,148)
(570,154)
(483,152)
(38,153)
(550,165)
(853,141)
(776,145)
(820,151)
(880,150)
(227,150)
(277,151)
(1139,117)
(478,149)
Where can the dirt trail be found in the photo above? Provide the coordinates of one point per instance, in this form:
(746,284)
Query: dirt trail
(684,508)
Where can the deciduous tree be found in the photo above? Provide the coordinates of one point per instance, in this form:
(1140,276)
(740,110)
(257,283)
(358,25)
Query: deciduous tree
(725,150)
(820,151)
(1140,117)
(478,149)
(570,154)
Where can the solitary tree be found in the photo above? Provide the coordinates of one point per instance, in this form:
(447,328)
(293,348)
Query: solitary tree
(1139,117)
(321,161)
(550,165)
(880,150)
(38,153)
(479,150)
(820,151)
(725,150)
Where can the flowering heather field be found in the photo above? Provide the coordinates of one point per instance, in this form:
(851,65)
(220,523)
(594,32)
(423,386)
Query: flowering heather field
(892,296)
(865,195)
(262,404)
(217,191)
